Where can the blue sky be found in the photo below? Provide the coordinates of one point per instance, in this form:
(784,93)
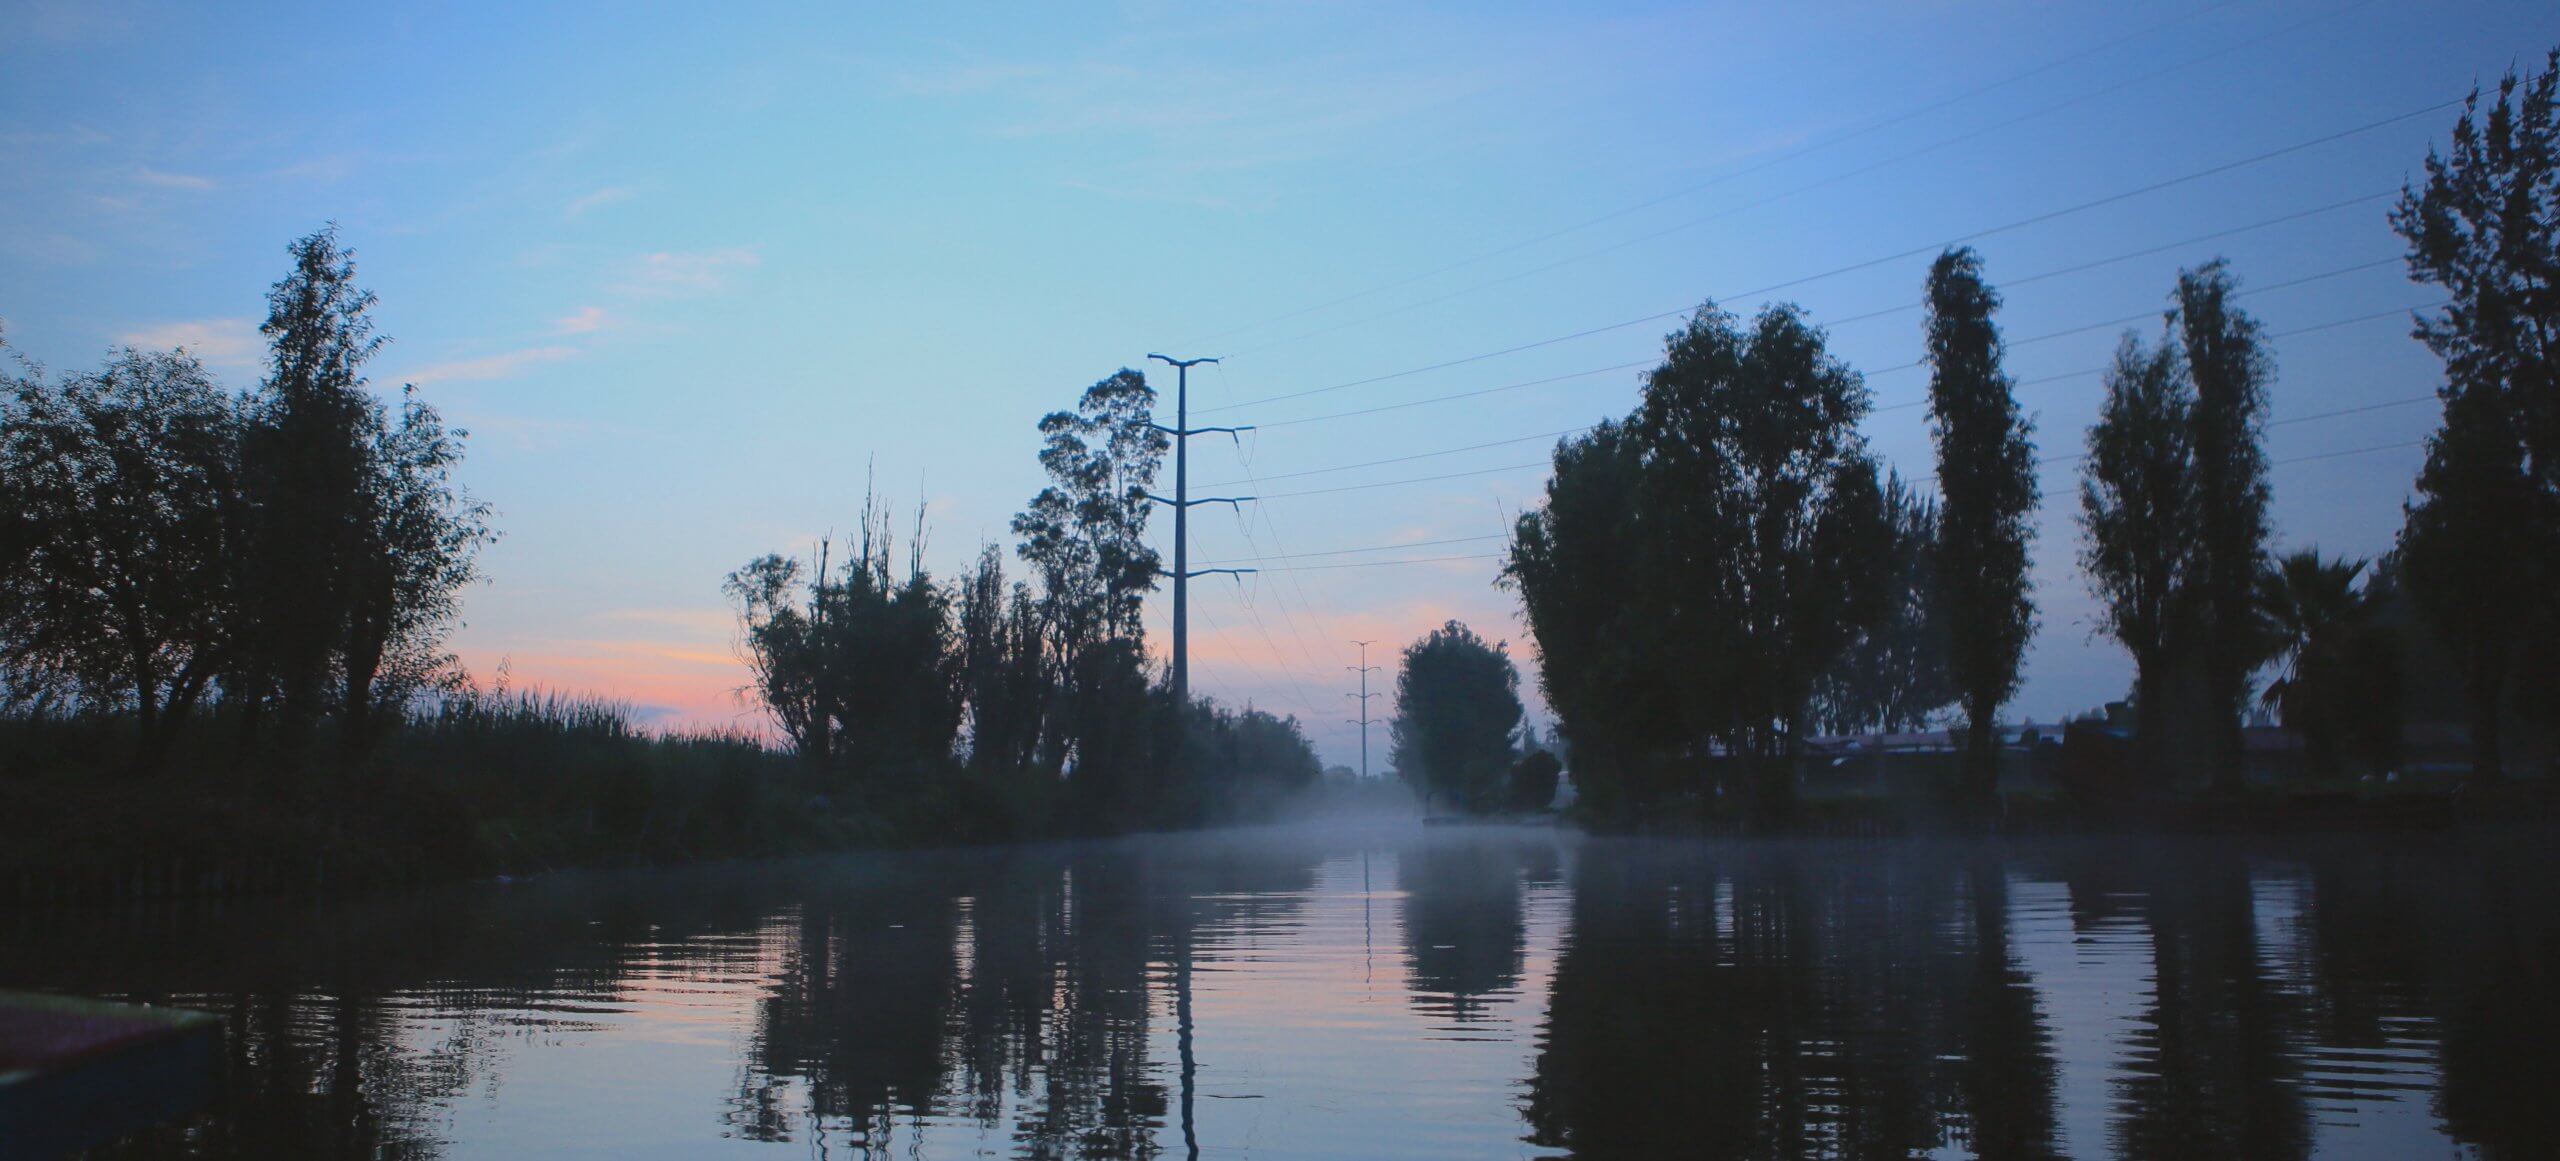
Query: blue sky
(691,276)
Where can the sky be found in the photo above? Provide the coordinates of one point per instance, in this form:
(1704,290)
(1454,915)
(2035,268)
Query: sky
(695,276)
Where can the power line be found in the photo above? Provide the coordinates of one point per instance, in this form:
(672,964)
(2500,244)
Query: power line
(1782,195)
(1258,481)
(1767,163)
(2047,462)
(1905,405)
(1961,239)
(1277,542)
(1383,563)
(1409,544)
(2284,334)
(2154,313)
(1373,548)
(1914,305)
(1401,483)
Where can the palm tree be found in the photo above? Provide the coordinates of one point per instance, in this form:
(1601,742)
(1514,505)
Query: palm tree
(2319,624)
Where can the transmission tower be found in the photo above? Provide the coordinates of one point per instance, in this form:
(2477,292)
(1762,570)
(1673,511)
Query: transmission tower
(1364,669)
(1182,431)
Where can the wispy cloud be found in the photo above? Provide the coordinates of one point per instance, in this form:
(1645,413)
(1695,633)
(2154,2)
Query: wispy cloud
(165,180)
(586,320)
(231,343)
(670,272)
(707,623)
(325,170)
(501,366)
(578,206)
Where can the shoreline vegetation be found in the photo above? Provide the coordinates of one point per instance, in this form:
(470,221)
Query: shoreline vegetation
(223,616)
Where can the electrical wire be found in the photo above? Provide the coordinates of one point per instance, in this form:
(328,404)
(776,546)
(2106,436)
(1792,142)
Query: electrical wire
(1961,239)
(1903,117)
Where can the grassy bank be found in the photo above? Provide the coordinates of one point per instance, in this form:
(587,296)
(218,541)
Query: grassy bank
(472,787)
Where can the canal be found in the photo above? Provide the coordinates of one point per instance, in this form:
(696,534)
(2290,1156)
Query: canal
(1381,991)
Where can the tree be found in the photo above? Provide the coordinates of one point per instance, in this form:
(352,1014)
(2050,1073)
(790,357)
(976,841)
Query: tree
(123,488)
(1986,472)
(1245,763)
(2137,509)
(1003,675)
(861,670)
(306,465)
(2226,361)
(1894,677)
(2338,672)
(1574,561)
(415,551)
(1726,532)
(2476,551)
(1084,536)
(777,618)
(2481,546)
(1457,703)
(1766,516)
(1085,533)
(1534,779)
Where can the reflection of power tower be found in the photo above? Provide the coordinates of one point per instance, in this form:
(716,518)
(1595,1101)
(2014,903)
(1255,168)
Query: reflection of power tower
(1364,669)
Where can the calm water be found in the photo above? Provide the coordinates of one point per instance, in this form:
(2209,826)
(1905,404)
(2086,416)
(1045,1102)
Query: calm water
(1387,993)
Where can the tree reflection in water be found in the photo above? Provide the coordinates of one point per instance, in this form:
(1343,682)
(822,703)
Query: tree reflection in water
(1689,999)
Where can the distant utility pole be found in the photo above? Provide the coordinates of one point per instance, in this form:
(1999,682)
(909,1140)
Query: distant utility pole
(1364,669)
(1182,431)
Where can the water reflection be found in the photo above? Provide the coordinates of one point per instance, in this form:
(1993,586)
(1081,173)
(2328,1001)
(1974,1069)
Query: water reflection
(1387,993)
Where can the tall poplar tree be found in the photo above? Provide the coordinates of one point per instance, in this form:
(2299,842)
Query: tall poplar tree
(2137,513)
(1986,474)
(2227,362)
(306,463)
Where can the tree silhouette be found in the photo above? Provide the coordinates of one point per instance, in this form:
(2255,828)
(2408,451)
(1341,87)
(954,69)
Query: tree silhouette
(1726,532)
(2481,546)
(2137,505)
(1986,472)
(2227,363)
(306,460)
(2337,682)
(1457,704)
(1894,676)
(125,486)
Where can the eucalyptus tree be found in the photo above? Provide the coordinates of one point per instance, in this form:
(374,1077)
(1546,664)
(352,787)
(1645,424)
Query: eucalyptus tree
(1085,533)
(2481,546)
(1084,536)
(122,493)
(2137,514)
(2228,368)
(1986,473)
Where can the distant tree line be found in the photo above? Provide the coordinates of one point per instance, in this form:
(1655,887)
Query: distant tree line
(290,558)
(1727,571)
(1033,697)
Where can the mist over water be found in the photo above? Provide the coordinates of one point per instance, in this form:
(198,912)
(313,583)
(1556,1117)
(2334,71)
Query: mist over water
(1383,990)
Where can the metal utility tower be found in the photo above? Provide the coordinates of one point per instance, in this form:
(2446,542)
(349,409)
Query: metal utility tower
(1182,431)
(1364,669)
